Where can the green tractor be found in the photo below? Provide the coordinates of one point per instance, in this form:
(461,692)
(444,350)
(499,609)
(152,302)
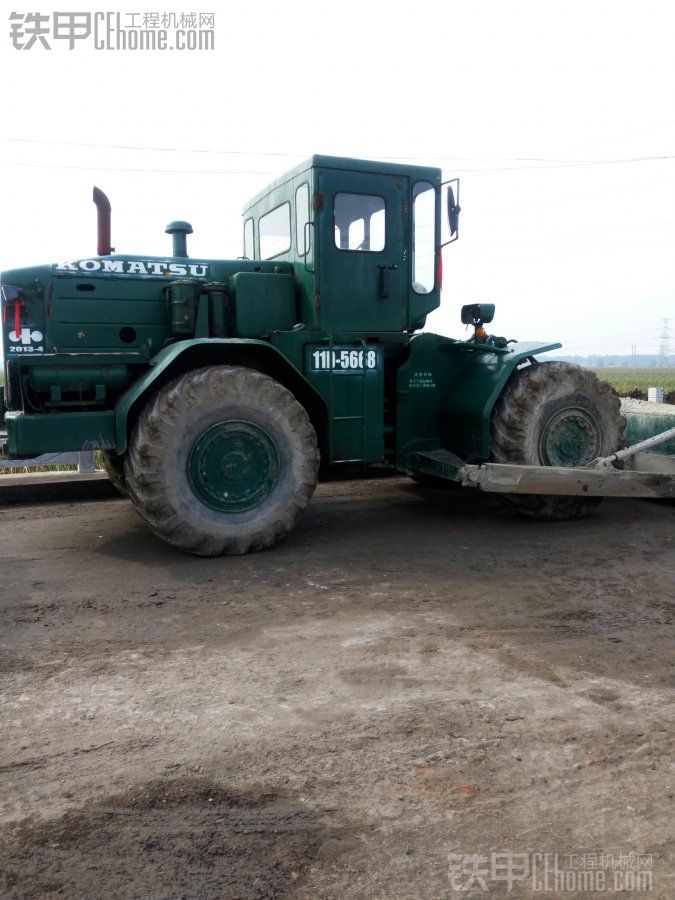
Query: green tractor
(219,390)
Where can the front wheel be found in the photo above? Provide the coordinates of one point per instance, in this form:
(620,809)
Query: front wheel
(555,414)
(222,460)
(114,469)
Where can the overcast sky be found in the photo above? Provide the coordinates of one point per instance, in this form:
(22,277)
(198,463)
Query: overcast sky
(534,104)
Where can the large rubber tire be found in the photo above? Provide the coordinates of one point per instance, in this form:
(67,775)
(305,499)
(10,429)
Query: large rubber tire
(555,413)
(114,469)
(222,460)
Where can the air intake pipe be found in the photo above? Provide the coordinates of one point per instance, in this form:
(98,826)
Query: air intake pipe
(103,223)
(179,232)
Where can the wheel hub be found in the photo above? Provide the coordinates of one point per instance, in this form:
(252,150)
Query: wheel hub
(233,466)
(571,437)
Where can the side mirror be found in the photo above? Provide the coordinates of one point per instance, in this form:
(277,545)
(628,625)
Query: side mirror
(478,313)
(454,208)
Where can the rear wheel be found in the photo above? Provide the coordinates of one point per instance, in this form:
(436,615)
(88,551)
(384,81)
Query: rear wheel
(222,460)
(555,414)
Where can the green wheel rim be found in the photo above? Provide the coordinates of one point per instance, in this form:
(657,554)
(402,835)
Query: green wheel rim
(572,437)
(233,466)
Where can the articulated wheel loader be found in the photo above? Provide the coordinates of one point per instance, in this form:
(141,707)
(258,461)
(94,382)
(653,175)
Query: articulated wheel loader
(219,390)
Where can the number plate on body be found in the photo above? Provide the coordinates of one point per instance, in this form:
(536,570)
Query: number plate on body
(343,359)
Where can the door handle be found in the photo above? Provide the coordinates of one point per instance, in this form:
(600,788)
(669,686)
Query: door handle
(306,236)
(385,280)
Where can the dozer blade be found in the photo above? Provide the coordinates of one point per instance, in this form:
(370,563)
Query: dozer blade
(651,476)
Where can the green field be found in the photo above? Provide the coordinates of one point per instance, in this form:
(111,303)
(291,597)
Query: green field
(634,382)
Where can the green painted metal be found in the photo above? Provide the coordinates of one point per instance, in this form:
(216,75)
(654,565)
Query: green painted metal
(446,391)
(78,379)
(640,426)
(233,466)
(349,375)
(179,231)
(263,303)
(331,315)
(350,284)
(31,435)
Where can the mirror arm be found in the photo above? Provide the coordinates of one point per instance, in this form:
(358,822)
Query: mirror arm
(451,241)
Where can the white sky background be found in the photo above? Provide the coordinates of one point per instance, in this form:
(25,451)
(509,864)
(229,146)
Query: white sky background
(582,254)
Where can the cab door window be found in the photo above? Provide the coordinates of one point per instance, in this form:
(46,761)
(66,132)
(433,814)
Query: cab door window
(359,222)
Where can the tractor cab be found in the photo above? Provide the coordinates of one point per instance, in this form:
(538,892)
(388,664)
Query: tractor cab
(363,237)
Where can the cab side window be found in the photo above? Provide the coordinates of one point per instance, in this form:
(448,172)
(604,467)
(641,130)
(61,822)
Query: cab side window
(359,222)
(424,237)
(249,246)
(274,232)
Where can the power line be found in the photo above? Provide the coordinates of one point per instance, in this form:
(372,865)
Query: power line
(569,237)
(148,148)
(550,162)
(548,203)
(276,171)
(619,137)
(214,151)
(573,164)
(588,195)
(146,171)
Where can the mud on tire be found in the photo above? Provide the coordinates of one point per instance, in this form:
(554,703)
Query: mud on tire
(114,469)
(555,413)
(222,460)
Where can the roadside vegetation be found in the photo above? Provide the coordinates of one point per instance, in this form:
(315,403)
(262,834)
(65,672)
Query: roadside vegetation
(635,382)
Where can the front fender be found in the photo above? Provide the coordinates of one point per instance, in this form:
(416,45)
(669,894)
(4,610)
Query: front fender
(446,392)
(191,354)
(466,410)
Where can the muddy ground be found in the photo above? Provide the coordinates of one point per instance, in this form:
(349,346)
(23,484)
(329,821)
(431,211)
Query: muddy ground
(410,675)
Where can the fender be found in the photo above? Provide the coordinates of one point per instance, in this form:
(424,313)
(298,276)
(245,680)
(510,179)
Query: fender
(191,354)
(446,392)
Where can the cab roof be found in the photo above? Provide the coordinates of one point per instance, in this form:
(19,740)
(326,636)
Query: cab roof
(346,163)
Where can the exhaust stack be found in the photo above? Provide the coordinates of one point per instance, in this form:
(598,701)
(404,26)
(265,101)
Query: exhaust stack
(103,223)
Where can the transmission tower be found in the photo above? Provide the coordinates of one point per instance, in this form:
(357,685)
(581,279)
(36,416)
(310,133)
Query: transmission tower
(664,347)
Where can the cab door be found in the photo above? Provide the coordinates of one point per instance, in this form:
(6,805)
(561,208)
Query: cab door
(363,260)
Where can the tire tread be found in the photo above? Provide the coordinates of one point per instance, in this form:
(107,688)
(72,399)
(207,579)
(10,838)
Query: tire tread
(165,412)
(525,391)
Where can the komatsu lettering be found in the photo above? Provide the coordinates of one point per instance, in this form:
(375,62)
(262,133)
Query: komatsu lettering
(134,267)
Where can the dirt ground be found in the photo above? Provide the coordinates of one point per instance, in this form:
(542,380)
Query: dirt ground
(410,675)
